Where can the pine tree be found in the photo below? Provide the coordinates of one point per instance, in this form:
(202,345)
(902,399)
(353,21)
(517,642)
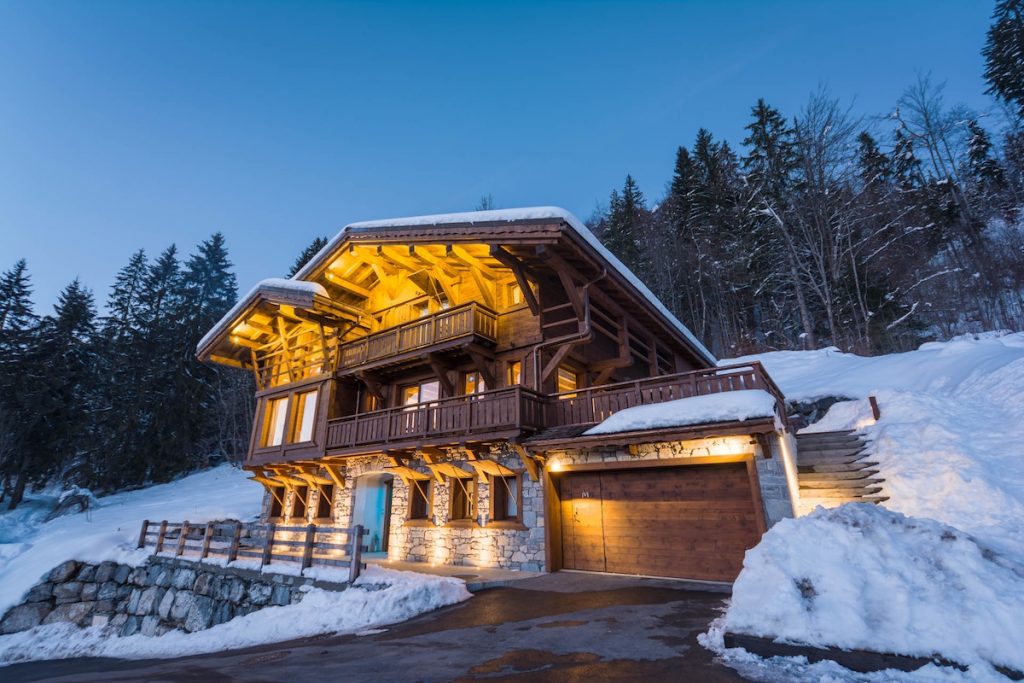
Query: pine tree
(983,170)
(874,166)
(624,226)
(307,254)
(1004,53)
(906,167)
(125,295)
(770,158)
(18,326)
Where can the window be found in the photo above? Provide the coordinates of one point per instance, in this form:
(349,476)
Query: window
(419,499)
(463,498)
(305,415)
(276,502)
(515,373)
(505,498)
(299,502)
(567,381)
(274,421)
(325,502)
(474,383)
(421,393)
(515,294)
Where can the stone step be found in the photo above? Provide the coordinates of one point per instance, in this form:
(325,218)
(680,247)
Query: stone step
(854,466)
(844,484)
(836,476)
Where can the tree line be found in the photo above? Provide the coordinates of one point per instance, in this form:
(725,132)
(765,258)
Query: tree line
(831,229)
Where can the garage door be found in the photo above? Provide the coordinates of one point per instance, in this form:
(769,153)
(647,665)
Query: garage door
(686,522)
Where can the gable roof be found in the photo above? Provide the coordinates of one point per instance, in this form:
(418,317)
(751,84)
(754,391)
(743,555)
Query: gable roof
(526,215)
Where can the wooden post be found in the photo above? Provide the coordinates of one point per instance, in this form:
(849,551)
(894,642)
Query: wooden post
(875,410)
(181,538)
(268,545)
(355,556)
(142,534)
(307,549)
(160,537)
(207,537)
(235,538)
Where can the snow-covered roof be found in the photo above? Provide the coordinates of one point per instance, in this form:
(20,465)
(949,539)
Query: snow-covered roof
(728,406)
(531,213)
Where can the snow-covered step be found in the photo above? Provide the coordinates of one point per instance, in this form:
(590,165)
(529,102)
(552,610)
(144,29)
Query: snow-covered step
(838,452)
(815,460)
(837,484)
(808,503)
(834,476)
(837,467)
(859,492)
(827,439)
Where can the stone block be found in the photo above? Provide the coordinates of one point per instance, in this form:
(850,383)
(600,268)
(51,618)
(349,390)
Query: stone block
(149,625)
(107,591)
(164,608)
(203,584)
(24,617)
(224,611)
(86,573)
(67,592)
(105,606)
(90,591)
(281,595)
(124,590)
(72,612)
(183,578)
(138,577)
(133,601)
(121,573)
(131,626)
(182,604)
(259,593)
(149,600)
(100,620)
(117,621)
(63,571)
(39,592)
(105,571)
(199,614)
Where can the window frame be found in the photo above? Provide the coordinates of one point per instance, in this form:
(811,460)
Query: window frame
(513,368)
(428,502)
(506,522)
(558,379)
(297,408)
(283,492)
(296,498)
(471,491)
(319,502)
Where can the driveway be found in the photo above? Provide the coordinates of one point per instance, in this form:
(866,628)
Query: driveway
(559,627)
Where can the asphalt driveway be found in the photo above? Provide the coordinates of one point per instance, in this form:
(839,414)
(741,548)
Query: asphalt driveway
(559,627)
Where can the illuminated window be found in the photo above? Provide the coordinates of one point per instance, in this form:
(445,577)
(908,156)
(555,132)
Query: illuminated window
(274,422)
(515,373)
(463,497)
(305,412)
(474,383)
(299,501)
(419,499)
(276,502)
(567,381)
(505,498)
(421,393)
(325,502)
(515,294)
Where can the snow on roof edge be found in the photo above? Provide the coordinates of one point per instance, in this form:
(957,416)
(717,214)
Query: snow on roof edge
(511,216)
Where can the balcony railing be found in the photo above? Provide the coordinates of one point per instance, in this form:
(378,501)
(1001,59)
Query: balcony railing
(484,413)
(467,320)
(520,409)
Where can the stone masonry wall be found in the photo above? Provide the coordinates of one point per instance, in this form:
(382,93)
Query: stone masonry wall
(163,595)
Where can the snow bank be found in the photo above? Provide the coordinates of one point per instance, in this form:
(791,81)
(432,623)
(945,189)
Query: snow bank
(110,530)
(731,406)
(862,577)
(379,597)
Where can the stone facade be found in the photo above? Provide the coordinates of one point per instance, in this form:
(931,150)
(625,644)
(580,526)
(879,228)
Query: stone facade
(163,595)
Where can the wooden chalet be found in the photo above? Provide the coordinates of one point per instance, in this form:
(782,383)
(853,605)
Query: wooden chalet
(434,378)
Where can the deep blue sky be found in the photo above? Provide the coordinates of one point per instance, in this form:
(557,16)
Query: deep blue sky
(138,124)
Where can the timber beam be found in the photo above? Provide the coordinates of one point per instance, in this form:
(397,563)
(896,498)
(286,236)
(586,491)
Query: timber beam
(519,271)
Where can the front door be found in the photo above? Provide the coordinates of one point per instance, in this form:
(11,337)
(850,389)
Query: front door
(372,509)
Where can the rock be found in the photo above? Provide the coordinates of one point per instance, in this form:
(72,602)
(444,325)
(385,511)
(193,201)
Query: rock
(204,584)
(131,626)
(63,571)
(90,591)
(73,612)
(149,600)
(199,614)
(24,617)
(164,609)
(67,592)
(221,613)
(118,620)
(122,573)
(86,573)
(105,606)
(281,595)
(105,571)
(138,577)
(133,601)
(159,576)
(518,556)
(184,578)
(100,619)
(182,604)
(123,591)
(39,592)
(107,591)
(259,593)
(149,625)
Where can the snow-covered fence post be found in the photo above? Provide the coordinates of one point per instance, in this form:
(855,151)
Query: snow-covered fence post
(181,538)
(355,556)
(142,534)
(207,537)
(160,537)
(268,545)
(307,549)
(236,537)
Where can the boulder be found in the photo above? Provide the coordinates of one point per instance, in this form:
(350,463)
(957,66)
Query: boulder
(24,617)
(90,591)
(149,600)
(199,614)
(182,604)
(86,573)
(121,573)
(105,571)
(67,592)
(63,571)
(73,612)
(39,592)
(108,591)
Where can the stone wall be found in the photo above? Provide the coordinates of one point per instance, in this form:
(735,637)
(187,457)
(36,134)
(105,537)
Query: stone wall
(162,595)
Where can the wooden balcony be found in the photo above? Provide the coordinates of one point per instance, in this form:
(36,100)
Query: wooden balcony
(462,324)
(515,411)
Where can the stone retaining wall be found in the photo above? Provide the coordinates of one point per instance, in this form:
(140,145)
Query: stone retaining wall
(162,595)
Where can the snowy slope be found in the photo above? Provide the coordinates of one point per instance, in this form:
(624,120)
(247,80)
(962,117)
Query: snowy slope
(947,575)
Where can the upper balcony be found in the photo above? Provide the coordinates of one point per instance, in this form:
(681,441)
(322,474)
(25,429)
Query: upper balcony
(454,327)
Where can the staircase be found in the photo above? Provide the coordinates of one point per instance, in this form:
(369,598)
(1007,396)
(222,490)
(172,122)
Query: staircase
(834,468)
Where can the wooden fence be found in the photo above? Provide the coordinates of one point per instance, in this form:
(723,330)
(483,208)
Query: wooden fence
(311,544)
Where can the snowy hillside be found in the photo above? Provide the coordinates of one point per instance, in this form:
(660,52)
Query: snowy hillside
(950,446)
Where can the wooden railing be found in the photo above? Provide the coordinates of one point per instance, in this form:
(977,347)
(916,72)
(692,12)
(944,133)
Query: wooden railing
(488,411)
(461,321)
(595,404)
(309,545)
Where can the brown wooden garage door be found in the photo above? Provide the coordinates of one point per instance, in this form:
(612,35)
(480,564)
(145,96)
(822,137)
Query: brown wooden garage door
(687,522)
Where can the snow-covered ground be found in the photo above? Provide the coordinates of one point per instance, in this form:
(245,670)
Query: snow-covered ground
(947,575)
(30,547)
(695,410)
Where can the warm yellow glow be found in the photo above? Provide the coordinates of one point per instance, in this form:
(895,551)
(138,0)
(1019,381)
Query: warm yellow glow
(555,465)
(789,465)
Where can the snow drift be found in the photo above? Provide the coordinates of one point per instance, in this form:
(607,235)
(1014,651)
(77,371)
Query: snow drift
(731,406)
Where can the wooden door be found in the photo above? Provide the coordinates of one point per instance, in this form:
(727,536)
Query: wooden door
(687,522)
